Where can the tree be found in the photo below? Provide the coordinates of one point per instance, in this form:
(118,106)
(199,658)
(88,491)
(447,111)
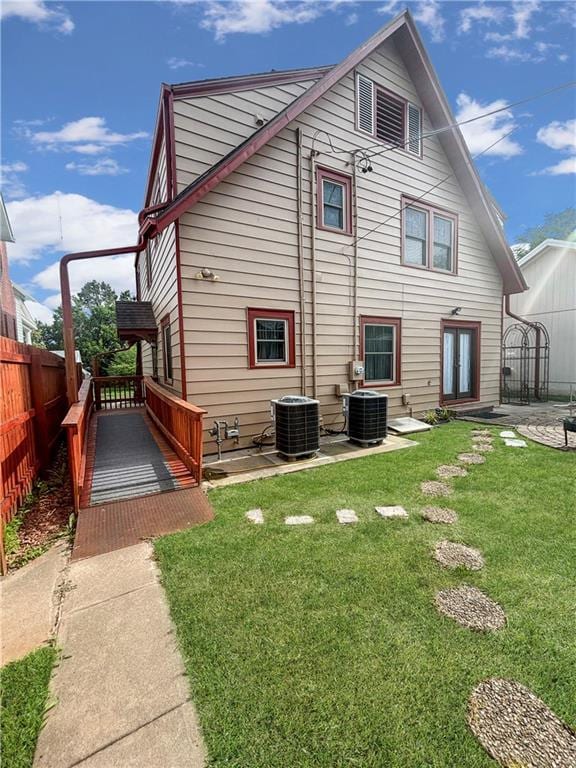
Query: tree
(123,363)
(94,312)
(557,226)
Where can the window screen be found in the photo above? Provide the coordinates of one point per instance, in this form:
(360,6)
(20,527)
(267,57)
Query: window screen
(415,236)
(379,352)
(270,338)
(333,204)
(442,258)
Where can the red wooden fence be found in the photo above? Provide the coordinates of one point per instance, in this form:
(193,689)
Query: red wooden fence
(32,405)
(180,422)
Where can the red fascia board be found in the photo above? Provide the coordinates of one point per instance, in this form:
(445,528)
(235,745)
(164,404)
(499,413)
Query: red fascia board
(156,143)
(237,157)
(246,82)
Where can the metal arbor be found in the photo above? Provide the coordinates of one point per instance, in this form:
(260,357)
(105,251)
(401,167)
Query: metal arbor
(525,364)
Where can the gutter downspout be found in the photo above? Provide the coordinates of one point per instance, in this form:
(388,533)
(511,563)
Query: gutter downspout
(538,339)
(300,215)
(313,270)
(355,320)
(67,316)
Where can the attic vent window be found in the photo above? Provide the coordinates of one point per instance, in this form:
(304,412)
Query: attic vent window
(387,116)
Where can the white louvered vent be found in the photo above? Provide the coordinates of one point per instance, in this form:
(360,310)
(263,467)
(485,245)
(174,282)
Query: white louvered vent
(365,104)
(414,130)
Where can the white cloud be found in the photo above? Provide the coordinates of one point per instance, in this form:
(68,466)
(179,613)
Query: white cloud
(482,133)
(105,167)
(564,167)
(38,12)
(352,18)
(62,223)
(89,135)
(558,135)
(12,185)
(256,16)
(392,6)
(507,53)
(429,15)
(482,13)
(39,311)
(117,271)
(176,63)
(522,12)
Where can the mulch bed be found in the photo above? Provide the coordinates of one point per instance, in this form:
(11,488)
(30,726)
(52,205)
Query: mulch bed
(470,608)
(471,458)
(45,514)
(450,554)
(516,728)
(435,488)
(439,515)
(447,471)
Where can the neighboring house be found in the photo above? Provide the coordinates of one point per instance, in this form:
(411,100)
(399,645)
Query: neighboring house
(25,323)
(550,272)
(7,300)
(310,220)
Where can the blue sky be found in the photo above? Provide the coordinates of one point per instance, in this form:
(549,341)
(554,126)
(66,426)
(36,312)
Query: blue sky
(80,85)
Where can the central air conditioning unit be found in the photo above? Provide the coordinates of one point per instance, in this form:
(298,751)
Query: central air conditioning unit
(367,412)
(297,420)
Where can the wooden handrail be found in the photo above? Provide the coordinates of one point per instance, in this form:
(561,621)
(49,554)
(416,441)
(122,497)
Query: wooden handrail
(171,399)
(76,423)
(76,410)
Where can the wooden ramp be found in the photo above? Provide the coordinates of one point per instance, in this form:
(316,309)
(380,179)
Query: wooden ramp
(136,487)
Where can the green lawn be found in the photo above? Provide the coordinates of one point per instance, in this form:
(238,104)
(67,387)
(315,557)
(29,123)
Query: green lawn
(320,645)
(24,690)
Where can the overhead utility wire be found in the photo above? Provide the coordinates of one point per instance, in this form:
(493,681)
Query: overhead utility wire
(423,195)
(541,94)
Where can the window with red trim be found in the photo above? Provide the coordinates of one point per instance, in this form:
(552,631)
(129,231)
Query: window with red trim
(271,342)
(334,195)
(380,350)
(429,236)
(166,332)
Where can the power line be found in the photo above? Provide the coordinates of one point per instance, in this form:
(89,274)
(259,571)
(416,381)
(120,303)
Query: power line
(430,189)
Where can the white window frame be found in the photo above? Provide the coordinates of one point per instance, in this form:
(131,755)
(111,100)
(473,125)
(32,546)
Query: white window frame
(265,363)
(393,354)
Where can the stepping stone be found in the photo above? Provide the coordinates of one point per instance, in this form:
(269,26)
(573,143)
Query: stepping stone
(439,515)
(452,555)
(255,516)
(299,520)
(515,443)
(480,432)
(447,470)
(483,447)
(346,516)
(516,728)
(471,458)
(482,439)
(435,488)
(391,511)
(508,433)
(470,608)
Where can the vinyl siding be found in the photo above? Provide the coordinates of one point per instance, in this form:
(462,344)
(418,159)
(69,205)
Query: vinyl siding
(246,232)
(163,291)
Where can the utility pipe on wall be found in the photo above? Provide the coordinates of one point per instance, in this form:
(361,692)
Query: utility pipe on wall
(300,215)
(313,269)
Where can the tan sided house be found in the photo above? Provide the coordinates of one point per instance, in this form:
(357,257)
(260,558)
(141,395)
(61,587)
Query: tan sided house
(316,232)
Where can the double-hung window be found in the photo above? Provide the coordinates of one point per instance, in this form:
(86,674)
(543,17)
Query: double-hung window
(334,192)
(271,338)
(380,349)
(429,237)
(167,349)
(387,116)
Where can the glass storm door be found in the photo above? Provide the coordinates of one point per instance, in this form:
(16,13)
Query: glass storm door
(458,376)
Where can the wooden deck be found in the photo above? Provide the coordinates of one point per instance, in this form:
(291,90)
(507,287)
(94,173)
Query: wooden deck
(136,486)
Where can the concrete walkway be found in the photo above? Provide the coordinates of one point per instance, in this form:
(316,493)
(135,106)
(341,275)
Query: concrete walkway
(122,695)
(29,599)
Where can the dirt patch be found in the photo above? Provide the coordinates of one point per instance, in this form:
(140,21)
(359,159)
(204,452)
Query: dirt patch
(439,515)
(471,458)
(447,470)
(516,728)
(452,555)
(470,608)
(44,515)
(435,488)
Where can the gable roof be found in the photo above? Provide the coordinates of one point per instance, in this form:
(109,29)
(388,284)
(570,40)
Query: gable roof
(567,245)
(419,67)
(6,234)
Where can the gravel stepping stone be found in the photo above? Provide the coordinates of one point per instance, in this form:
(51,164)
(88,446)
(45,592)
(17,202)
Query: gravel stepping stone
(513,443)
(391,511)
(516,728)
(482,439)
(299,520)
(480,432)
(439,515)
(508,433)
(447,470)
(470,608)
(346,516)
(435,488)
(483,447)
(452,555)
(255,516)
(471,458)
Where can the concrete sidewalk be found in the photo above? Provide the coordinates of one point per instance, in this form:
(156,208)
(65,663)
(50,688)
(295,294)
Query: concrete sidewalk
(121,690)
(30,600)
